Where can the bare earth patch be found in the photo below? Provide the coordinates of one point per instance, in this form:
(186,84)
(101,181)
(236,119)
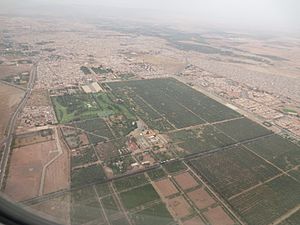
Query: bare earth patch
(185,181)
(25,169)
(201,198)
(166,187)
(217,216)
(180,207)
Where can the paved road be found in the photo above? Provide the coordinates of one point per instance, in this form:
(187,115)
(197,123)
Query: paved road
(12,124)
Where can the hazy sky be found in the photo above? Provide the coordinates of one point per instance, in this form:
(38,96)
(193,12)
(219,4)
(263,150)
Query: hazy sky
(247,14)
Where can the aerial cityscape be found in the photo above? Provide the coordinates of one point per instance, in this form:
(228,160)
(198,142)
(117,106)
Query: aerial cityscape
(132,123)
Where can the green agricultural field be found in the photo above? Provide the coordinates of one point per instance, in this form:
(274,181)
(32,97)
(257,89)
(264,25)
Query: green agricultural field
(277,150)
(264,204)
(157,214)
(86,155)
(292,220)
(138,196)
(129,182)
(102,189)
(200,139)
(156,174)
(243,129)
(87,175)
(76,107)
(174,166)
(233,170)
(85,207)
(110,206)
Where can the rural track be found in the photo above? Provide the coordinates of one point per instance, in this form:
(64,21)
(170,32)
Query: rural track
(12,124)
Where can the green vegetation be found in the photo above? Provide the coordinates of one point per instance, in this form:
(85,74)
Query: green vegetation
(277,150)
(233,170)
(87,175)
(129,182)
(85,207)
(138,196)
(201,139)
(174,166)
(109,205)
(264,204)
(85,70)
(156,174)
(292,220)
(157,214)
(101,70)
(75,107)
(120,164)
(85,155)
(102,189)
(243,129)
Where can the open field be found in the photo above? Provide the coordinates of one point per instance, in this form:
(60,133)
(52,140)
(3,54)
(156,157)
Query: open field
(33,137)
(156,174)
(194,221)
(201,198)
(129,182)
(157,214)
(83,156)
(9,98)
(278,150)
(85,175)
(185,181)
(85,207)
(166,187)
(180,207)
(266,203)
(233,170)
(217,216)
(171,101)
(200,139)
(174,167)
(243,129)
(25,169)
(55,209)
(138,196)
(292,220)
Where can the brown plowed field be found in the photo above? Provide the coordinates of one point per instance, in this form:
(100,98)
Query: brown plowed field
(180,207)
(201,198)
(166,187)
(25,169)
(194,221)
(185,181)
(217,216)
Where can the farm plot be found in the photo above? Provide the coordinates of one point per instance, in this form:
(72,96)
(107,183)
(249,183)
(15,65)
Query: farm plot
(156,174)
(185,181)
(157,214)
(201,198)
(102,189)
(83,156)
(138,196)
(205,107)
(175,166)
(85,207)
(194,221)
(266,203)
(200,139)
(277,150)
(180,207)
(110,206)
(217,216)
(292,220)
(233,170)
(166,187)
(85,175)
(76,107)
(129,182)
(162,103)
(243,129)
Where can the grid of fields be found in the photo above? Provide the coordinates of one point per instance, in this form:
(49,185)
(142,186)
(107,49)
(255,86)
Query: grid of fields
(172,102)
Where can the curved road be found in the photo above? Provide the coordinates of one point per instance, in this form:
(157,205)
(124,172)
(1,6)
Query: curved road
(12,124)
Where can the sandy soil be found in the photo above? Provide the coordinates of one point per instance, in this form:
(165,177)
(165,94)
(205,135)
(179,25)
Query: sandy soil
(201,198)
(25,169)
(217,216)
(180,207)
(9,99)
(166,187)
(185,180)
